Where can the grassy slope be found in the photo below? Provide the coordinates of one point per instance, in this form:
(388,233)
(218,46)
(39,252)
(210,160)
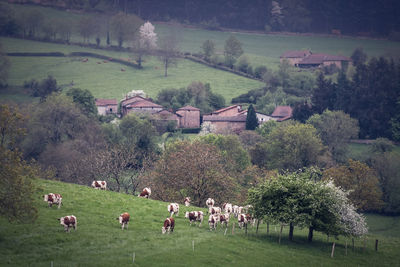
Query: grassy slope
(99,240)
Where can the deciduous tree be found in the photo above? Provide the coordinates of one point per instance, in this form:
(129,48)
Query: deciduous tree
(232,50)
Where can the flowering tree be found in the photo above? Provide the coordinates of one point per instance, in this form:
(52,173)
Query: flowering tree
(146,42)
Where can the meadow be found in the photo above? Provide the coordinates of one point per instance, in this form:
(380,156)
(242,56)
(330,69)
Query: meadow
(99,240)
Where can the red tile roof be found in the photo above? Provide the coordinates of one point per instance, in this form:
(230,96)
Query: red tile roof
(225,109)
(320,58)
(143,104)
(189,108)
(106,102)
(282,113)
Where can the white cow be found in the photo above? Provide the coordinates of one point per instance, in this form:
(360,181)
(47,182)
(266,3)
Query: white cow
(69,222)
(102,185)
(227,207)
(187,201)
(224,219)
(210,202)
(145,193)
(53,199)
(213,221)
(173,208)
(214,210)
(195,216)
(235,210)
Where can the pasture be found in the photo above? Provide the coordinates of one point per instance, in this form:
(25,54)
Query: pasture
(99,240)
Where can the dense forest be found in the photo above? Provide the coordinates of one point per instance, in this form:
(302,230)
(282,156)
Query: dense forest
(361,17)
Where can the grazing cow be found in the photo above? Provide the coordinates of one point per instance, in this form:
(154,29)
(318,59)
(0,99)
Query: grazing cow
(242,221)
(169,225)
(210,202)
(173,208)
(124,220)
(227,207)
(69,222)
(250,219)
(53,199)
(224,219)
(102,185)
(235,210)
(187,201)
(214,210)
(213,221)
(195,216)
(145,193)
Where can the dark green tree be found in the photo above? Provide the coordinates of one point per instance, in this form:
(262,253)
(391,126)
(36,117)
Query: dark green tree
(84,100)
(232,50)
(251,119)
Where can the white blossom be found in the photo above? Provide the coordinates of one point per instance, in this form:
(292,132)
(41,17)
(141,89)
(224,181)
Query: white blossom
(148,38)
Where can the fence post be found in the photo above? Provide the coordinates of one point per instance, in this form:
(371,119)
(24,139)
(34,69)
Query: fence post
(376,244)
(333,249)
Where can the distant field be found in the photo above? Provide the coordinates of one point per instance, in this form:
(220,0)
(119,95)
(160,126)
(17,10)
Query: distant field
(99,240)
(106,80)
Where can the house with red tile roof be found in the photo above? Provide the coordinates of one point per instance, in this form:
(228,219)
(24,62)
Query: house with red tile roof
(282,113)
(294,57)
(106,106)
(307,59)
(189,117)
(139,104)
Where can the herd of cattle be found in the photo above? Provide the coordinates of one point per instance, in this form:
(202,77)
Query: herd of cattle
(216,214)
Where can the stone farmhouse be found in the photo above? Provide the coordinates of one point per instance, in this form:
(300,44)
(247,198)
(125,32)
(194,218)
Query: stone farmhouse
(107,106)
(282,113)
(307,59)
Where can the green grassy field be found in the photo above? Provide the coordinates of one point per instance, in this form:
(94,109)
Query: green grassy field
(99,240)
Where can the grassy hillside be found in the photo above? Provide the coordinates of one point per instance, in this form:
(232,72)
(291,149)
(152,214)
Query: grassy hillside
(99,240)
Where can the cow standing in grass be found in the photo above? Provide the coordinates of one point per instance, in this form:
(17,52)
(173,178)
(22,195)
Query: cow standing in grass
(124,220)
(53,199)
(169,225)
(212,221)
(145,193)
(214,210)
(195,216)
(173,208)
(227,207)
(210,203)
(69,222)
(224,219)
(102,185)
(242,220)
(187,201)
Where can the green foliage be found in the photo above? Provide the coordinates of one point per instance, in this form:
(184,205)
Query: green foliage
(362,183)
(208,49)
(358,56)
(259,71)
(4,67)
(232,50)
(292,146)
(335,129)
(266,128)
(251,119)
(124,26)
(84,99)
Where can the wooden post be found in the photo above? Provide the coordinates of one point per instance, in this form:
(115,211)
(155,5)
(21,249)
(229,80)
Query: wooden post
(246,228)
(133,257)
(376,244)
(346,247)
(267,228)
(258,223)
(333,249)
(226,229)
(193,245)
(233,228)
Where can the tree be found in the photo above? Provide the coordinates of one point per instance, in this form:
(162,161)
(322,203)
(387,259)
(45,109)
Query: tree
(8,21)
(124,27)
(335,128)
(232,50)
(193,169)
(84,99)
(358,56)
(276,19)
(251,119)
(208,49)
(362,183)
(146,42)
(324,94)
(45,87)
(169,50)
(30,21)
(16,188)
(4,67)
(86,28)
(293,146)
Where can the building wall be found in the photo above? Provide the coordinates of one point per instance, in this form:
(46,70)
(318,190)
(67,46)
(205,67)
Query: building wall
(293,60)
(109,109)
(146,110)
(337,63)
(189,119)
(227,126)
(229,113)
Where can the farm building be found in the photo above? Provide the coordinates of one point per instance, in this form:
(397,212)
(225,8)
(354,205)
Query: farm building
(106,106)
(189,117)
(282,113)
(227,124)
(139,104)
(307,59)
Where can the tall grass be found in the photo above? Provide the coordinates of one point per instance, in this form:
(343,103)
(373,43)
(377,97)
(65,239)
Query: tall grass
(99,240)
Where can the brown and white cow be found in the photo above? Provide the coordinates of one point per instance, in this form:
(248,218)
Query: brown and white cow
(68,222)
(224,219)
(212,221)
(210,202)
(194,216)
(145,193)
(173,208)
(102,185)
(235,210)
(227,207)
(53,199)
(250,219)
(214,210)
(169,225)
(187,201)
(242,220)
(124,220)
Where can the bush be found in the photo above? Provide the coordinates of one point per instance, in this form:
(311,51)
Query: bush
(191,130)
(260,71)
